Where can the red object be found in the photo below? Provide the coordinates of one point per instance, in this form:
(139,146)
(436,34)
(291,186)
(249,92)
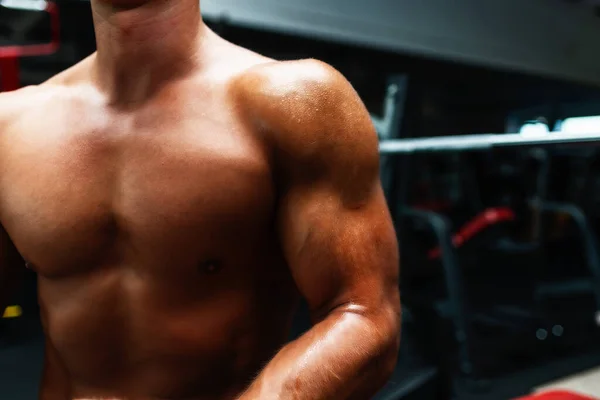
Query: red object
(9,55)
(489,217)
(9,74)
(557,395)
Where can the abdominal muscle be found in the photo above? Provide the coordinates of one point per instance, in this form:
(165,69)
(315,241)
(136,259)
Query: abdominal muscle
(140,347)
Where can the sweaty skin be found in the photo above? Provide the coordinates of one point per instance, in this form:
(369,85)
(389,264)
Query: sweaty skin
(176,195)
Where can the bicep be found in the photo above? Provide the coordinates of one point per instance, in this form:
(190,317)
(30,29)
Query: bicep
(334,224)
(340,255)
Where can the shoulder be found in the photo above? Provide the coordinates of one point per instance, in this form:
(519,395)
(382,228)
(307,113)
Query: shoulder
(20,108)
(294,87)
(310,113)
(28,100)
(14,105)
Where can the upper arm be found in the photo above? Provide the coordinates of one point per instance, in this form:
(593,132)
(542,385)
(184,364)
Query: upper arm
(333,220)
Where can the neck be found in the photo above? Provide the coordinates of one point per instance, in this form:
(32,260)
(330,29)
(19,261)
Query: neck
(143,44)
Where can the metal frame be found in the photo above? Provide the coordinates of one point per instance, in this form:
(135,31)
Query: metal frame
(388,126)
(589,243)
(461,318)
(483,142)
(441,226)
(454,283)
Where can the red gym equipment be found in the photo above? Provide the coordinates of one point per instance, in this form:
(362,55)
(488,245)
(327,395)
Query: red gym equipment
(490,217)
(557,395)
(10,55)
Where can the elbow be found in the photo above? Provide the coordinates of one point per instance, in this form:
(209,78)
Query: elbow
(378,332)
(390,349)
(387,346)
(375,351)
(382,362)
(388,364)
(390,322)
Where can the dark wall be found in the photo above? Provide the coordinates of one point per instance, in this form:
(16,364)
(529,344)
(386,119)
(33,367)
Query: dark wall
(449,98)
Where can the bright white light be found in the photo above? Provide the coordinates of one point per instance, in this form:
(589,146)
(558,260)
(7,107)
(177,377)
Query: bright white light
(581,125)
(534,129)
(31,5)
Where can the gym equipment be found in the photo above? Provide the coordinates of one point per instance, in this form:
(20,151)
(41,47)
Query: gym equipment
(10,55)
(455,308)
(557,395)
(483,142)
(512,319)
(388,126)
(473,227)
(393,107)
(12,312)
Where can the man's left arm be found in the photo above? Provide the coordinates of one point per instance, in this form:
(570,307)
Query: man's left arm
(339,242)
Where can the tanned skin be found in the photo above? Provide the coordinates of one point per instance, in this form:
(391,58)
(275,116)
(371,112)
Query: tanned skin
(176,195)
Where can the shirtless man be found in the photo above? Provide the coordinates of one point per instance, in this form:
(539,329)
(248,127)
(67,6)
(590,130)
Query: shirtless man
(176,195)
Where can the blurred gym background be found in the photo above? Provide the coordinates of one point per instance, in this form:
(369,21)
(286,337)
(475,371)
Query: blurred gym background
(500,254)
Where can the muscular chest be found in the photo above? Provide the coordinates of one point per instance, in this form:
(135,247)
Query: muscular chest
(157,184)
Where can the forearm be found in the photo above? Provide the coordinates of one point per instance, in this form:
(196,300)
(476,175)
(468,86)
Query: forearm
(346,356)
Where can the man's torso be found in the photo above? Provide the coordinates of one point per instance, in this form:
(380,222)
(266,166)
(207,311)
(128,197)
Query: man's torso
(152,232)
